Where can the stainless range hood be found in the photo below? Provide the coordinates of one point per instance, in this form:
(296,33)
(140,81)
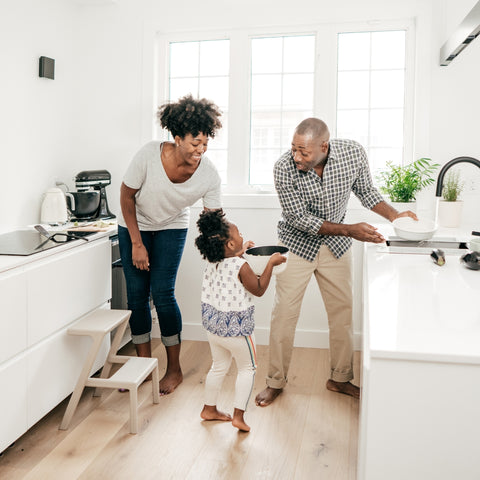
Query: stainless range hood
(465,33)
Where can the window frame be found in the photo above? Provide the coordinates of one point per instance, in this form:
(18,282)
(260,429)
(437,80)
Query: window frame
(325,92)
(408,116)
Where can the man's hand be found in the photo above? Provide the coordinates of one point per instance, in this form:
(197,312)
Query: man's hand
(364,232)
(408,213)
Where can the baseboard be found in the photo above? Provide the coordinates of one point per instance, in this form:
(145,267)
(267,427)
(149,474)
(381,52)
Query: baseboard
(303,338)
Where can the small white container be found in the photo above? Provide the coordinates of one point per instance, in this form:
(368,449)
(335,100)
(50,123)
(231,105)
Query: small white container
(450,213)
(474,244)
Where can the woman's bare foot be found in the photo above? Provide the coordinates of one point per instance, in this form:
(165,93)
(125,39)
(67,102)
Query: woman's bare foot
(343,387)
(173,376)
(170,381)
(238,420)
(267,396)
(210,412)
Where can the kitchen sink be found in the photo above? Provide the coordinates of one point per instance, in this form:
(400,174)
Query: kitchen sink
(448,245)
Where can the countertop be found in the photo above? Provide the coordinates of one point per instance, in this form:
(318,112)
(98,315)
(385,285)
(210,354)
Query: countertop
(415,309)
(9,262)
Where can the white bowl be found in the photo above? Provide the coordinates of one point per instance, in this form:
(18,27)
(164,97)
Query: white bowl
(416,230)
(257,258)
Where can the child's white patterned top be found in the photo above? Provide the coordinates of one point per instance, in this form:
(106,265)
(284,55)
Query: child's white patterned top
(227,307)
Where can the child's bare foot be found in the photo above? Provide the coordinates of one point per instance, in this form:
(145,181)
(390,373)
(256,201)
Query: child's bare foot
(170,381)
(239,422)
(210,412)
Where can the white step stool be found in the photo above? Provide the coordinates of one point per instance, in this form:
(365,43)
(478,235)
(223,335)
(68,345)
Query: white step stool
(132,373)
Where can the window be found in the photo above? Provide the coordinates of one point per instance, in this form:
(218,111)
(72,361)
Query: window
(371,93)
(202,69)
(356,79)
(282,81)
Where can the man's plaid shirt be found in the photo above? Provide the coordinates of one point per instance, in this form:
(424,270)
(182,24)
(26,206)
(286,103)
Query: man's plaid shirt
(308,200)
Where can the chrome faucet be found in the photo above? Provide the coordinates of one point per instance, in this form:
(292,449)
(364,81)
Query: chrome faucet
(450,164)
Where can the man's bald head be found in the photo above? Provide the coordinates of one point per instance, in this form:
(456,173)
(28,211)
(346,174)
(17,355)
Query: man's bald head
(315,128)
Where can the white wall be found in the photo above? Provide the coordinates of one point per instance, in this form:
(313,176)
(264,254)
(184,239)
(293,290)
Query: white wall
(455,105)
(100,108)
(35,113)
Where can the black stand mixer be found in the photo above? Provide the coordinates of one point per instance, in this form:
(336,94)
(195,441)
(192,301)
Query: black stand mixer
(94,180)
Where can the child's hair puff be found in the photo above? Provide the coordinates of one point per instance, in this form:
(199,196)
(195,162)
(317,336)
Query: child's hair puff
(214,233)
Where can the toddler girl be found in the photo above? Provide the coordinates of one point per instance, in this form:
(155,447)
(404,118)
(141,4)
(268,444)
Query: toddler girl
(227,311)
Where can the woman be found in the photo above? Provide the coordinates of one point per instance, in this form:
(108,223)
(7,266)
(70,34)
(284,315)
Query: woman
(162,182)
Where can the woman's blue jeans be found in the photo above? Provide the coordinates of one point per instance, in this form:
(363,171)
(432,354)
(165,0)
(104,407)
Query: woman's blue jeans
(165,248)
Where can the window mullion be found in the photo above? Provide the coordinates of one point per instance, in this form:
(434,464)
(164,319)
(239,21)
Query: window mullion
(239,112)
(325,77)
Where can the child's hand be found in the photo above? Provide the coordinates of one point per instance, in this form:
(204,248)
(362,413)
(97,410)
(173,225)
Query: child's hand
(277,259)
(247,245)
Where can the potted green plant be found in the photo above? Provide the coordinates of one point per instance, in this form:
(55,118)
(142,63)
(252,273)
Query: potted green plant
(402,182)
(450,207)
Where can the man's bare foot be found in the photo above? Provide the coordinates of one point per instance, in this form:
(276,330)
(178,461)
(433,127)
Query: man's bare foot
(343,387)
(267,396)
(210,412)
(170,381)
(238,420)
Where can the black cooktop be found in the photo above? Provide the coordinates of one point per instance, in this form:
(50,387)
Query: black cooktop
(28,242)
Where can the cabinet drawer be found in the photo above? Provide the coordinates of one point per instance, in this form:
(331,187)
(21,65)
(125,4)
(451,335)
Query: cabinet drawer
(13,314)
(13,401)
(62,289)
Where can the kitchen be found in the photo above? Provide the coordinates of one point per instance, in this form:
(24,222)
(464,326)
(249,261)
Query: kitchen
(97,111)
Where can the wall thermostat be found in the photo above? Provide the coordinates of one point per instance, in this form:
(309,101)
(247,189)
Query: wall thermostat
(46,67)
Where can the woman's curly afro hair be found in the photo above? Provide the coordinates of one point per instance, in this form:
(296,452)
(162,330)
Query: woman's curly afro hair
(190,115)
(214,233)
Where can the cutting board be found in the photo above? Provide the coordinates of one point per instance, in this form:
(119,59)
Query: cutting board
(91,228)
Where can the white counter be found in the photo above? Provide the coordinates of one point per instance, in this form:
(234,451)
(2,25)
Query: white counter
(421,368)
(8,262)
(418,310)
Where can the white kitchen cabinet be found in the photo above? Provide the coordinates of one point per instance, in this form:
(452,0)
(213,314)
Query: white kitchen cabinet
(418,421)
(61,291)
(13,314)
(39,299)
(13,400)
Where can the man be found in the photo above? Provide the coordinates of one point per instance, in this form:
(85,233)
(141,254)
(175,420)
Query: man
(314,181)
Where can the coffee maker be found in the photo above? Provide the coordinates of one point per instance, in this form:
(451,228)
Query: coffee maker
(96,180)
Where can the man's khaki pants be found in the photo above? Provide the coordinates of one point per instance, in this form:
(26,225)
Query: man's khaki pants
(334,278)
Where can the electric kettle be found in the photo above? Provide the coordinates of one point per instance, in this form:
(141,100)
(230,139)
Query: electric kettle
(54,207)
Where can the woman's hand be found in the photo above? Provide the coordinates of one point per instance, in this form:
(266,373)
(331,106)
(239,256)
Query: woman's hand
(140,257)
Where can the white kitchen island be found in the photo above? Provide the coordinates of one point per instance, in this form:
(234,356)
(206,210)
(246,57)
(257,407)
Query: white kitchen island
(420,406)
(41,296)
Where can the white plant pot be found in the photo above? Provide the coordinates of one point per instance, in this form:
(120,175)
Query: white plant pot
(450,213)
(404,206)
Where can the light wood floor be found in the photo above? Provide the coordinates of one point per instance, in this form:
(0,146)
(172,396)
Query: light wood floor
(308,433)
